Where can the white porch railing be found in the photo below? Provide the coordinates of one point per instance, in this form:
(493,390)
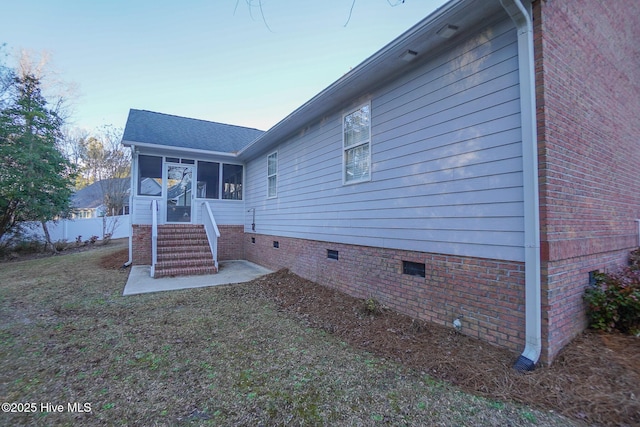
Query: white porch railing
(154,236)
(213,233)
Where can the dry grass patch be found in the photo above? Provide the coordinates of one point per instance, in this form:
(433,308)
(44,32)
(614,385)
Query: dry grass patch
(214,356)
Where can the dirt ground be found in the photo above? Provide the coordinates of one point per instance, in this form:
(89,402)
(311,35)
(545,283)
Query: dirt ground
(595,379)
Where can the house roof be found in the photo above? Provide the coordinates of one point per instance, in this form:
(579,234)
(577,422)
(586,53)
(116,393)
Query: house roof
(148,127)
(92,196)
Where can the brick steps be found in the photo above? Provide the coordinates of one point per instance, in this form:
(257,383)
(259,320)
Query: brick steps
(183,250)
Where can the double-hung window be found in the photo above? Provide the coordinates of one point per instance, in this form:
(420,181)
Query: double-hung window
(356,145)
(272,174)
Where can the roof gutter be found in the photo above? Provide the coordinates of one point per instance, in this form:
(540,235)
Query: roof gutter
(182,149)
(521,16)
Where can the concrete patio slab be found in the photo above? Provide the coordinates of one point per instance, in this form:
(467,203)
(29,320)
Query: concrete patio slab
(237,271)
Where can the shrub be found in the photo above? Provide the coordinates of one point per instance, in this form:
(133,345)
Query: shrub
(634,259)
(372,306)
(28,246)
(614,301)
(60,245)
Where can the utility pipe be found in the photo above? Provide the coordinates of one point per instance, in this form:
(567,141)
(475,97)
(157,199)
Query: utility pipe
(521,16)
(132,187)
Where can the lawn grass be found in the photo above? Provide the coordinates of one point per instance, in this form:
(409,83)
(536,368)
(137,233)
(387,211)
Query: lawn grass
(209,356)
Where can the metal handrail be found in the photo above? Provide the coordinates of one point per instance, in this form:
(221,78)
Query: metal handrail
(213,233)
(154,236)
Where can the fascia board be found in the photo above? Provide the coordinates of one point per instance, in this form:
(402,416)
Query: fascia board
(180,149)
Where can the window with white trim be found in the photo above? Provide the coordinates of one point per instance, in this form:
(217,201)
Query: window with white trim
(356,145)
(272,175)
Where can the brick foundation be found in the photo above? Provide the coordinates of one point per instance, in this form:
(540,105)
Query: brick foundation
(488,294)
(141,243)
(229,244)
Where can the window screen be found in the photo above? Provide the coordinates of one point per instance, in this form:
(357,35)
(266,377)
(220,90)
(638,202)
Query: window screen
(149,175)
(232,181)
(209,180)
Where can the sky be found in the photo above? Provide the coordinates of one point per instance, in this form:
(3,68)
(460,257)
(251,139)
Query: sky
(228,61)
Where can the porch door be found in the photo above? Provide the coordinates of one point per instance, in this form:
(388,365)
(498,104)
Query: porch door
(179,193)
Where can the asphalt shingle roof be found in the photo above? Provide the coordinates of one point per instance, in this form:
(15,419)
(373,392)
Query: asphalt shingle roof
(174,131)
(92,195)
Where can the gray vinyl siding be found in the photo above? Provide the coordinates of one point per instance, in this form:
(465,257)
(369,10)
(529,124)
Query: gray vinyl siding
(141,212)
(225,212)
(446,163)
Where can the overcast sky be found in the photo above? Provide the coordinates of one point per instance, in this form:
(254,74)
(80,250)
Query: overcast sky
(216,60)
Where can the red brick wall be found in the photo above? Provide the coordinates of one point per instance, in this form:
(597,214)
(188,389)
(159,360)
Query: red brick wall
(588,99)
(230,243)
(489,294)
(141,245)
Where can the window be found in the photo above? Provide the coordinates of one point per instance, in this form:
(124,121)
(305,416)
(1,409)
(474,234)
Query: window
(331,254)
(272,175)
(208,180)
(149,175)
(232,182)
(356,145)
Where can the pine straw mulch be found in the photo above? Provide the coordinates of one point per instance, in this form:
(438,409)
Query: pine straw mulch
(115,260)
(595,379)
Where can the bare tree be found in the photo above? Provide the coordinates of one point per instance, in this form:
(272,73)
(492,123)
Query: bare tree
(58,92)
(259,4)
(116,168)
(74,146)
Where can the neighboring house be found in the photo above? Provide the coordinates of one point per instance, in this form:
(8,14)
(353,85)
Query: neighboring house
(89,201)
(478,168)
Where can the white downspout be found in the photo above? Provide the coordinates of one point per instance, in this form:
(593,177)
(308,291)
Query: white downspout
(521,16)
(132,189)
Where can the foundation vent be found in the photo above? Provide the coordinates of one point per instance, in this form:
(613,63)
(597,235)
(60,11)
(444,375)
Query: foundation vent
(413,268)
(331,254)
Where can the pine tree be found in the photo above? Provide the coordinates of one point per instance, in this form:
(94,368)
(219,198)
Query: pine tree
(36,180)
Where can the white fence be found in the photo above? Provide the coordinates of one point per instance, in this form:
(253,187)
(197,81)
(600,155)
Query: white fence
(70,229)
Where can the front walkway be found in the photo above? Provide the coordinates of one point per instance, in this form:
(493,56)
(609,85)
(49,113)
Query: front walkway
(239,271)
